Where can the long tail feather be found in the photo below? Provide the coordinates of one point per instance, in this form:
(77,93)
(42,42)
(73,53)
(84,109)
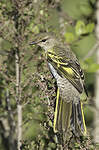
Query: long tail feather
(81,120)
(62,114)
(77,119)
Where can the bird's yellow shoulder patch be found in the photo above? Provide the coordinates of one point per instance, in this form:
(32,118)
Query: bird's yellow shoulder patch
(69,70)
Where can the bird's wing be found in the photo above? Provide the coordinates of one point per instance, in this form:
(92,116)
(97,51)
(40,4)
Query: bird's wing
(67,68)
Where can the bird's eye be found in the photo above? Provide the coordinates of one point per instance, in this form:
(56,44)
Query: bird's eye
(44,40)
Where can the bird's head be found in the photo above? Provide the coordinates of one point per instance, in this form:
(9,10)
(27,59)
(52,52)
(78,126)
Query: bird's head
(44,40)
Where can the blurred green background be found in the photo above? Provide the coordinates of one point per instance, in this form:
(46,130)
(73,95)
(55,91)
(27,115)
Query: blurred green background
(73,21)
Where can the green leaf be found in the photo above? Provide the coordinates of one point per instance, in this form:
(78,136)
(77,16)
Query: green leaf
(80,28)
(93,1)
(77,145)
(90,27)
(42,12)
(52,145)
(89,114)
(93,68)
(89,61)
(69,37)
(35,30)
(85,8)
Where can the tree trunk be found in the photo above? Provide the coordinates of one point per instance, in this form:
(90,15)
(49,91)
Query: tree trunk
(18,100)
(19,128)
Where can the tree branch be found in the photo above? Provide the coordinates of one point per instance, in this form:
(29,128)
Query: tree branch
(18,99)
(92,51)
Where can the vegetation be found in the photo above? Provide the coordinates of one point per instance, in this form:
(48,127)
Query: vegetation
(27,89)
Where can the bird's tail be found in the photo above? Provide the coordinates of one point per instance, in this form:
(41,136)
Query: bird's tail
(77,119)
(62,114)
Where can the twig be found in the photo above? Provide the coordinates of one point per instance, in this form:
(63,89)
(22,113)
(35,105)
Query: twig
(92,51)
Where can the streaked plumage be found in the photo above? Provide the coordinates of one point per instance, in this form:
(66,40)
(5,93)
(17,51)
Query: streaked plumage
(69,76)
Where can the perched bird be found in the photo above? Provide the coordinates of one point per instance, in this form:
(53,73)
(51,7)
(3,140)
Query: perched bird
(69,76)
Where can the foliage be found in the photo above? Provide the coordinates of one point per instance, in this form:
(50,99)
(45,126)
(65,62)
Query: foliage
(20,21)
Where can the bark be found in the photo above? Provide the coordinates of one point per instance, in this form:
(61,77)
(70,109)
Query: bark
(19,129)
(18,99)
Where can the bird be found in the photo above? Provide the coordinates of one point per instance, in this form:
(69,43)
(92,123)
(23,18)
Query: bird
(65,68)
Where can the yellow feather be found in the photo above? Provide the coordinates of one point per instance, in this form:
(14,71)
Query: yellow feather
(85,130)
(69,70)
(56,111)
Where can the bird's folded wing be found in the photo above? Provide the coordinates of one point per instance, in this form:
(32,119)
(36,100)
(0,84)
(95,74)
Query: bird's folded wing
(66,68)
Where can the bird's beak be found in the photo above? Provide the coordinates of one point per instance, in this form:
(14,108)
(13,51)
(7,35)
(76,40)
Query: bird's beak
(33,43)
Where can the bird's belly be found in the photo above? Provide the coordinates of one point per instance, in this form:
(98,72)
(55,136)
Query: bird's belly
(67,91)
